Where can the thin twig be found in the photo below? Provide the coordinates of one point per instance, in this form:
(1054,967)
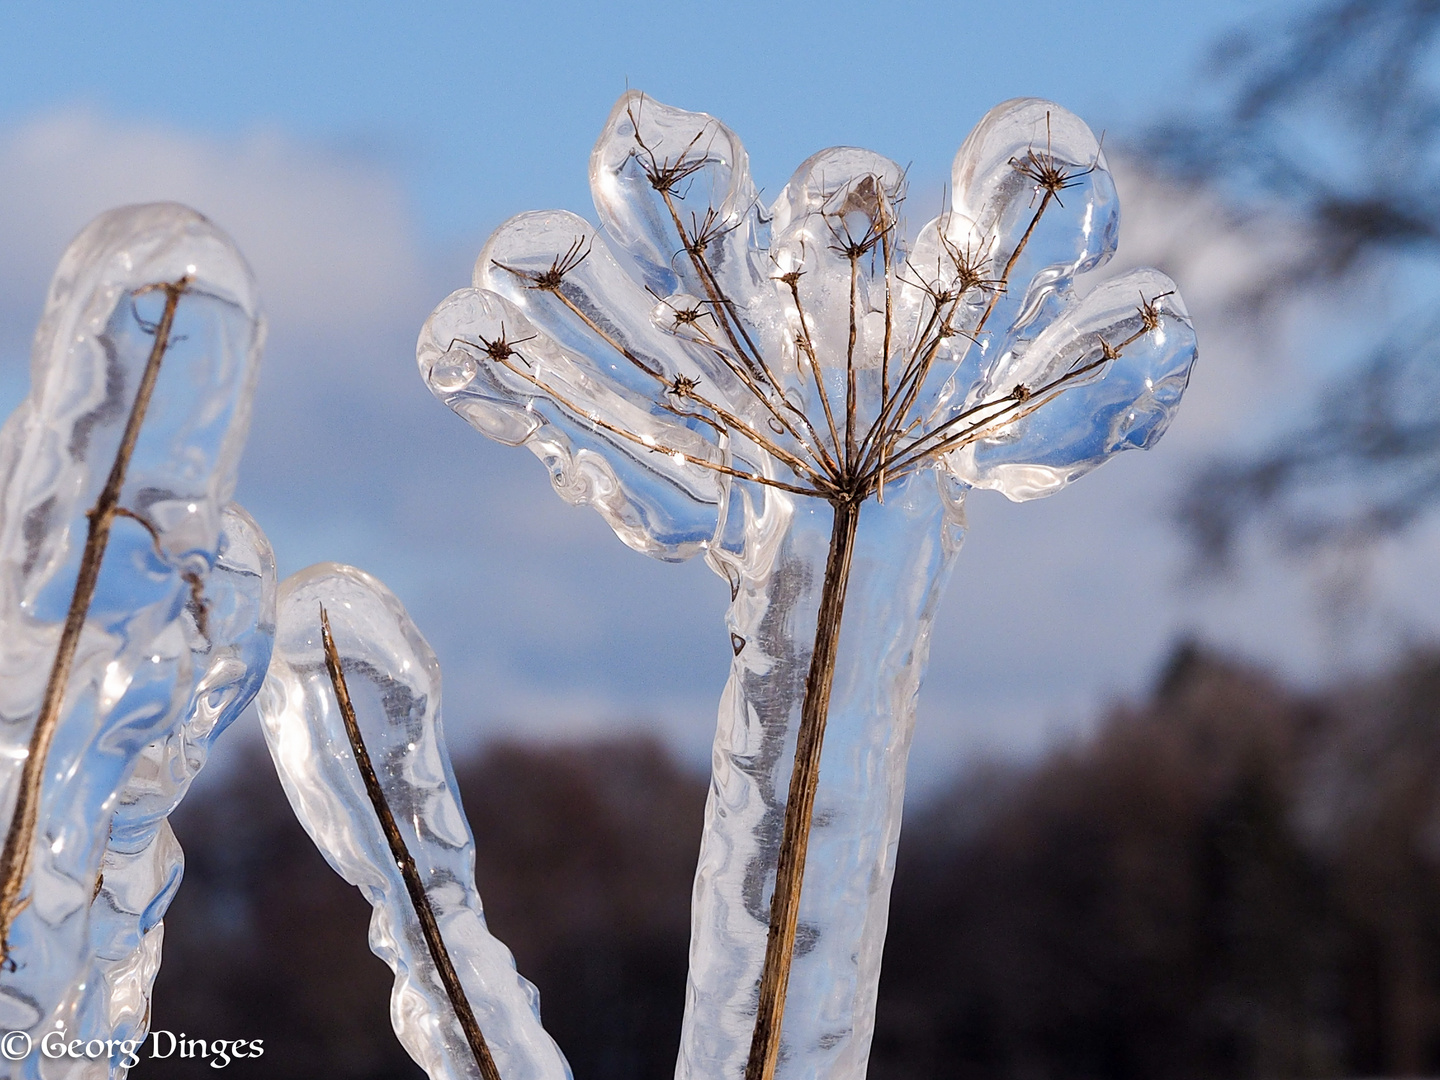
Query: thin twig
(998,288)
(696,251)
(652,445)
(885,431)
(850,403)
(1022,400)
(735,330)
(889,317)
(429,927)
(681,389)
(20,837)
(876,437)
(1016,405)
(551,280)
(792,279)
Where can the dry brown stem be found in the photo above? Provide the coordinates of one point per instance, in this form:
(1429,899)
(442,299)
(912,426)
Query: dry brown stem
(800,803)
(20,837)
(429,927)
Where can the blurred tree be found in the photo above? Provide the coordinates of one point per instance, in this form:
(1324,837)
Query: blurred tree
(1232,881)
(1137,907)
(585,856)
(1332,119)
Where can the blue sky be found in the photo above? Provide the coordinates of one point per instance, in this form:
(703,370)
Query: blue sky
(481,106)
(360,153)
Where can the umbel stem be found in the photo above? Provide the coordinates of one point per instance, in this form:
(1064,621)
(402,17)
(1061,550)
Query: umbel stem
(408,871)
(15,859)
(800,803)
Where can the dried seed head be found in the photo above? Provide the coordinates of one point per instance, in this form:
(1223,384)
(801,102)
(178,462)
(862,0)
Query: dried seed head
(869,200)
(1049,174)
(664,175)
(1150,311)
(500,348)
(550,279)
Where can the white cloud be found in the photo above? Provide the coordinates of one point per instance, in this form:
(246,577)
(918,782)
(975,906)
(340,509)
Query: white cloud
(331,239)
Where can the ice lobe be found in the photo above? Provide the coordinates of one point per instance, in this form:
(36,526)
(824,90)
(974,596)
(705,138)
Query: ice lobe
(394,684)
(143,862)
(134,672)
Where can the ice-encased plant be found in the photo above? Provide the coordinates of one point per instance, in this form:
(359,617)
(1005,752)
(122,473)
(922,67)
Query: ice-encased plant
(351,711)
(143,863)
(805,397)
(114,477)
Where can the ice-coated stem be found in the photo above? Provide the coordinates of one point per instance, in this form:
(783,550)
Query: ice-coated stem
(800,802)
(351,711)
(899,555)
(19,838)
(114,472)
(413,885)
(142,864)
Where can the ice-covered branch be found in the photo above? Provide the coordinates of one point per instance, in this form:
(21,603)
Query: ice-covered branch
(141,378)
(382,677)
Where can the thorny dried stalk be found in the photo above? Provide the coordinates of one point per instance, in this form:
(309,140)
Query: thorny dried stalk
(833,455)
(15,859)
(401,854)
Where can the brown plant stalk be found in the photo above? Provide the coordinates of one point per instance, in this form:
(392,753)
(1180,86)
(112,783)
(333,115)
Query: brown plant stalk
(800,803)
(429,927)
(20,837)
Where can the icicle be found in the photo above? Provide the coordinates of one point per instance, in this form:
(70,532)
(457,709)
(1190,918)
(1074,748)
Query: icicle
(141,869)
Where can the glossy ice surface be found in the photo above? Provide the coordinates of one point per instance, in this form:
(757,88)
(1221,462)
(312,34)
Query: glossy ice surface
(136,666)
(142,865)
(394,684)
(711,374)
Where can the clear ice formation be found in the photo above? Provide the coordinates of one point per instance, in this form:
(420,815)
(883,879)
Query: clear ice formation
(718,376)
(135,669)
(143,863)
(394,684)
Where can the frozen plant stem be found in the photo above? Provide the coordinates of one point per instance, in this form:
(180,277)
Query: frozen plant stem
(413,885)
(800,805)
(15,860)
(855,482)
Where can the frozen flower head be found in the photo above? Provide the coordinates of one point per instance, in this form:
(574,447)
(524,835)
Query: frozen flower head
(698,335)
(714,374)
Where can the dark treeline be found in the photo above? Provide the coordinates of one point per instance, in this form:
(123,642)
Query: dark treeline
(1228,880)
